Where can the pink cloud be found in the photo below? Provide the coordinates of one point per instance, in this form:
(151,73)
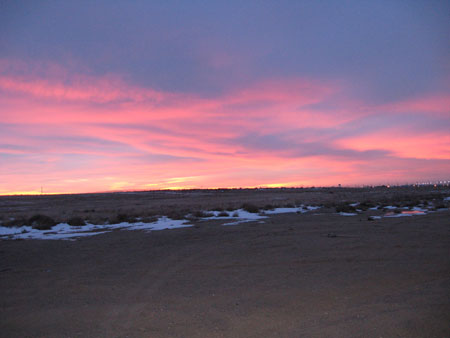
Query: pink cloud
(76,133)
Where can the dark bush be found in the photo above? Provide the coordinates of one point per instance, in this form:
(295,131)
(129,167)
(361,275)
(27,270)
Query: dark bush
(367,204)
(15,222)
(250,208)
(150,219)
(41,222)
(202,214)
(411,204)
(120,218)
(223,214)
(345,208)
(76,221)
(269,207)
(178,215)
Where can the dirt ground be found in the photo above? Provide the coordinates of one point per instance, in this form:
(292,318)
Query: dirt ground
(296,275)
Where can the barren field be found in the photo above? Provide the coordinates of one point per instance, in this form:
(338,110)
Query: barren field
(321,273)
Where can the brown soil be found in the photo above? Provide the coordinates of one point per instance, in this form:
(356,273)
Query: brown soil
(293,276)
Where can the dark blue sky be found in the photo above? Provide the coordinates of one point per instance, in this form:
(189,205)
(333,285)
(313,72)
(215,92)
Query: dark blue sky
(384,49)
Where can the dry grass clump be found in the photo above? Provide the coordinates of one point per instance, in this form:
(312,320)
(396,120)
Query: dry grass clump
(202,214)
(41,222)
(123,217)
(177,214)
(99,220)
(366,205)
(250,208)
(76,221)
(344,207)
(411,203)
(149,219)
(15,222)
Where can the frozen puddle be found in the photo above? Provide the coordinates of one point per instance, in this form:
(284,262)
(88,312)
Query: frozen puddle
(65,231)
(406,213)
(302,209)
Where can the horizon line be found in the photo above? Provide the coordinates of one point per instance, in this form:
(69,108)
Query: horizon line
(437,183)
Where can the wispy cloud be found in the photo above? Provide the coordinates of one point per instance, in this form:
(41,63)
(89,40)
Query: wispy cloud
(80,132)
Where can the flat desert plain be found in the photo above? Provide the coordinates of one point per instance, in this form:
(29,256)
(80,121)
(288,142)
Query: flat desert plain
(312,274)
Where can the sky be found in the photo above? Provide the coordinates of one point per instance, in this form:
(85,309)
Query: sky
(141,95)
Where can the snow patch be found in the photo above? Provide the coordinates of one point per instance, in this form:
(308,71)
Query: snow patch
(347,214)
(244,216)
(66,231)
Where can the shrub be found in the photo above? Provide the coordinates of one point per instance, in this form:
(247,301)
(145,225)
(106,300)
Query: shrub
(76,221)
(223,214)
(99,220)
(15,222)
(269,207)
(120,218)
(202,214)
(367,204)
(150,219)
(176,215)
(345,208)
(41,222)
(411,204)
(250,208)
